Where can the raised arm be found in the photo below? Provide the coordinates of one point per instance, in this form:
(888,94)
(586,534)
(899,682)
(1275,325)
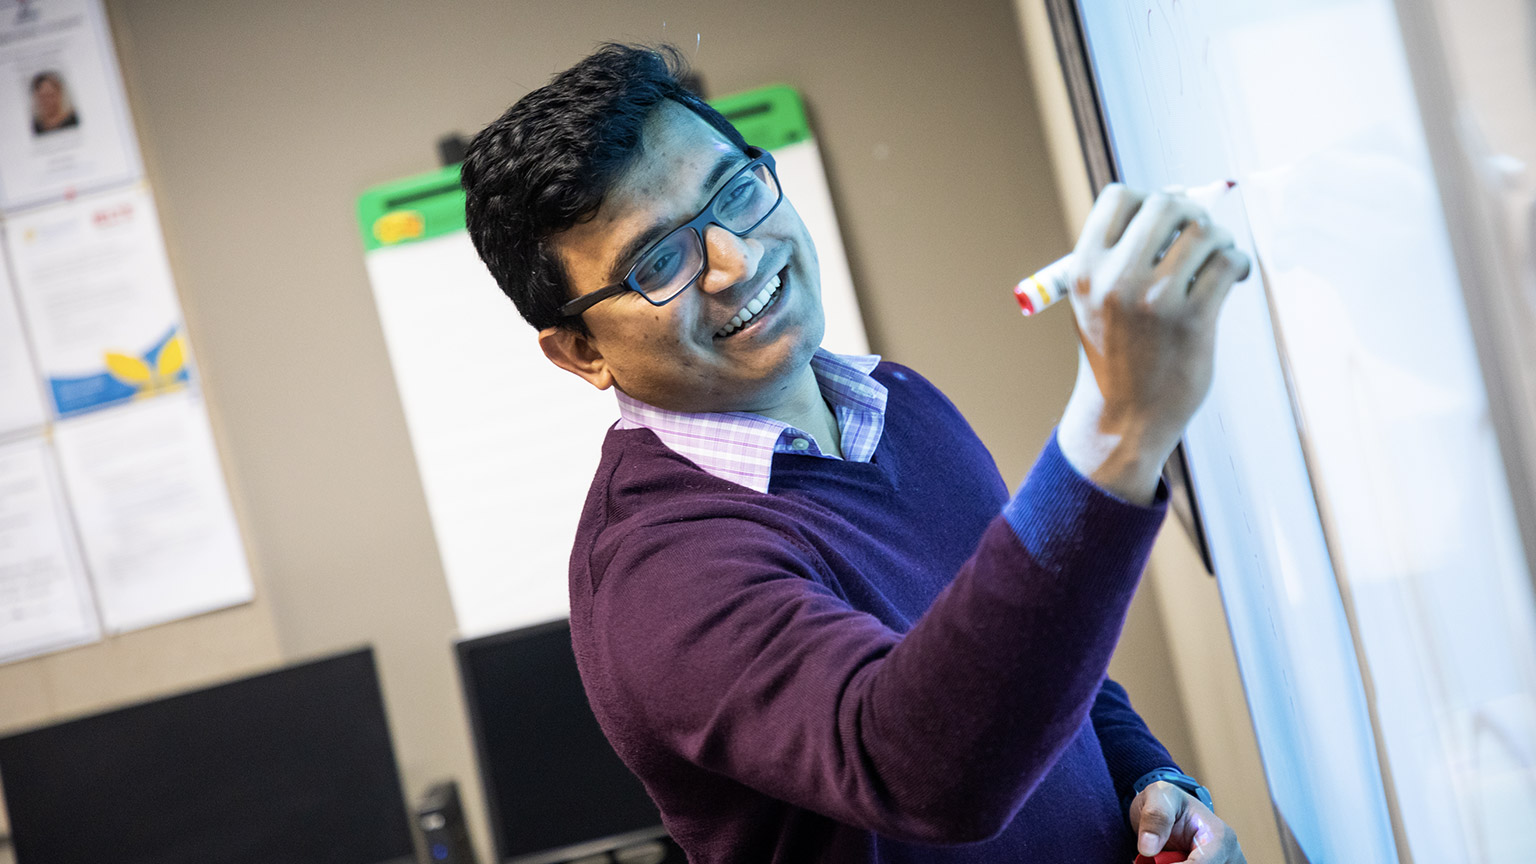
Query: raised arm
(723,640)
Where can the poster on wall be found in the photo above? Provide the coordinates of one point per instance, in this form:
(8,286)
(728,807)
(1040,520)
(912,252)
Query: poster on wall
(155,519)
(65,127)
(98,300)
(45,601)
(114,513)
(21,403)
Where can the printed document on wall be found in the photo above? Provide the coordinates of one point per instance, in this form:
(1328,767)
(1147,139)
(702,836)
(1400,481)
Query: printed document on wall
(65,127)
(21,404)
(97,295)
(45,601)
(159,533)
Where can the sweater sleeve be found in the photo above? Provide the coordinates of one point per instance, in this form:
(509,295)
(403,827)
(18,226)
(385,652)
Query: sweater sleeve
(1130,749)
(713,641)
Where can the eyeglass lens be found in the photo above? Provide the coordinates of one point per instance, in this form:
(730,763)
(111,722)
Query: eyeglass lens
(678,259)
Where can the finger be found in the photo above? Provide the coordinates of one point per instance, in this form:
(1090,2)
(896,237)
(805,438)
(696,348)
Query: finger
(1195,243)
(1216,276)
(1221,850)
(1190,250)
(1215,842)
(1111,213)
(1155,822)
(1153,227)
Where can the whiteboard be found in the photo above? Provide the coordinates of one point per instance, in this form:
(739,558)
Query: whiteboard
(1351,487)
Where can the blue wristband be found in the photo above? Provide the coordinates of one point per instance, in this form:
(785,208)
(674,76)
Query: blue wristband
(1177,778)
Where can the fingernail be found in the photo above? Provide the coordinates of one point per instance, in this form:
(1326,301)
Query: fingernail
(1149,844)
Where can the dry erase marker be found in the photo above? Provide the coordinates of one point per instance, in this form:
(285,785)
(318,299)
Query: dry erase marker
(1052,283)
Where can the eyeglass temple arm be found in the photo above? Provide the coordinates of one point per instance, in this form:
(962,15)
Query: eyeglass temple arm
(581,304)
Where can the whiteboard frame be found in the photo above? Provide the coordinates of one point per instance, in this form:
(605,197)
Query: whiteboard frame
(1098,158)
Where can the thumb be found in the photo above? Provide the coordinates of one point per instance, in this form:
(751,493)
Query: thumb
(1158,812)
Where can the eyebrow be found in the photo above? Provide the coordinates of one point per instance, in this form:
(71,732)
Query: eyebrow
(658,230)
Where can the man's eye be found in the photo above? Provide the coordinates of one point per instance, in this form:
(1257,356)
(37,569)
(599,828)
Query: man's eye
(658,269)
(739,195)
(662,263)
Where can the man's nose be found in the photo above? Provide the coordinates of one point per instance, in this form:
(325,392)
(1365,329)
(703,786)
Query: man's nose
(732,259)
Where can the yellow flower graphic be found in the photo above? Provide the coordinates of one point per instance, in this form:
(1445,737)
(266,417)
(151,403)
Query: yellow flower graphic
(145,379)
(398,225)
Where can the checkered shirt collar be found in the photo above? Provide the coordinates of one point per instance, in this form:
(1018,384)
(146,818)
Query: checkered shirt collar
(739,447)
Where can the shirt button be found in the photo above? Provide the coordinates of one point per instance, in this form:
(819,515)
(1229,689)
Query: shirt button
(800,444)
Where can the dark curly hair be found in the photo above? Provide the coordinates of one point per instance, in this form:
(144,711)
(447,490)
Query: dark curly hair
(547,163)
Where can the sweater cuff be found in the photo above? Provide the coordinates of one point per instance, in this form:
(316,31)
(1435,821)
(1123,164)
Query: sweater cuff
(1060,516)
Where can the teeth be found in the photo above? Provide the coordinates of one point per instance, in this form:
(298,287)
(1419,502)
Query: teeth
(757,304)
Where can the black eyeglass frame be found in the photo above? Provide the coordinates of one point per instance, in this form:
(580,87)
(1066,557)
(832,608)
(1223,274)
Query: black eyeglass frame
(697,225)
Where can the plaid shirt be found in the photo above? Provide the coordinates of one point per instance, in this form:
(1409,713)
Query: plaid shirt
(739,447)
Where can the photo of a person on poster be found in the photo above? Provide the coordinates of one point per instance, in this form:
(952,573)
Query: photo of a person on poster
(52,108)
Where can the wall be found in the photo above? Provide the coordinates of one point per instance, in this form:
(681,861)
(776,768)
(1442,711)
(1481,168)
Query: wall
(261,123)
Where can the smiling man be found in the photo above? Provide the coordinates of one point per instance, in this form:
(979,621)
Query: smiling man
(807,612)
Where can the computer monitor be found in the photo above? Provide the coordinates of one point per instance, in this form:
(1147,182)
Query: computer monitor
(292,765)
(555,789)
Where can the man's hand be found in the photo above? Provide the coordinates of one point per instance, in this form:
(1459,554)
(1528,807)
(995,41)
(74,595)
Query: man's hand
(1152,273)
(1166,817)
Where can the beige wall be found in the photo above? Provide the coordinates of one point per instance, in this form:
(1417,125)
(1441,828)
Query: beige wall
(262,122)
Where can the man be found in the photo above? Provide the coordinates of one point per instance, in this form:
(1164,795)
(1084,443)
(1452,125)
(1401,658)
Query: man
(806,611)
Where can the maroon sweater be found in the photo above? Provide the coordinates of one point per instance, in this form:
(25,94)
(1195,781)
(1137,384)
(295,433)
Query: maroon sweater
(872,662)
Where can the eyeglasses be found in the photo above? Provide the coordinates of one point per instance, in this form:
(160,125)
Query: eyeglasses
(672,263)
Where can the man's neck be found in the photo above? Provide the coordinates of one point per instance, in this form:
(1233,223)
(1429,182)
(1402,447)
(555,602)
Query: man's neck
(804,408)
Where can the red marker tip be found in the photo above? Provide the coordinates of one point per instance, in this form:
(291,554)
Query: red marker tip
(1167,856)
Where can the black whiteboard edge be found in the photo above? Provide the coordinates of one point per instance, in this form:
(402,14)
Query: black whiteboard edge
(1098,157)
(1083,91)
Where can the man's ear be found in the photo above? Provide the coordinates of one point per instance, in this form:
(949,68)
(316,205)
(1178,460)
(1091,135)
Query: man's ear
(575,353)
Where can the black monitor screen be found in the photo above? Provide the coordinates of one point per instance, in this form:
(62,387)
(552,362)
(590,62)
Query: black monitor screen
(292,765)
(551,778)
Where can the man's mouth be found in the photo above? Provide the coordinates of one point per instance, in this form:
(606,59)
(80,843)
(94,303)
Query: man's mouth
(755,307)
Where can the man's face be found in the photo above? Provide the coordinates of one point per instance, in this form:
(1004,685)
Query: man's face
(674,356)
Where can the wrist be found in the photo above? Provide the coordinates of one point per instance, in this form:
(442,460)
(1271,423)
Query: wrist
(1118,455)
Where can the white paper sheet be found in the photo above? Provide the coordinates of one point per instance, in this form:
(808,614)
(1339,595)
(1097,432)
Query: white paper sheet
(506,443)
(64,121)
(45,602)
(21,402)
(97,295)
(148,493)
